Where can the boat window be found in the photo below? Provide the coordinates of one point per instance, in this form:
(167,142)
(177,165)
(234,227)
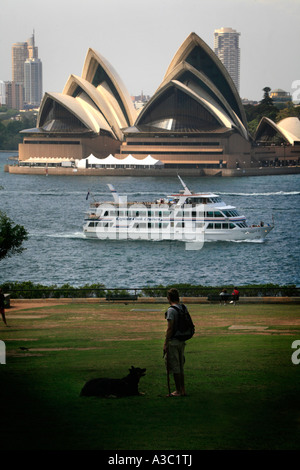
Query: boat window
(210,214)
(218,226)
(92,224)
(232,225)
(218,214)
(210,226)
(225,226)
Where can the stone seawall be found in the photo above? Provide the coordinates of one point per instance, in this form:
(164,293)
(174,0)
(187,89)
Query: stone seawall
(264,171)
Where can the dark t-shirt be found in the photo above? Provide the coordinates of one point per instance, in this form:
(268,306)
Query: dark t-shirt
(172,314)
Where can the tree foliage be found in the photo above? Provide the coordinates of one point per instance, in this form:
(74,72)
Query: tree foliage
(11,237)
(10,128)
(266,108)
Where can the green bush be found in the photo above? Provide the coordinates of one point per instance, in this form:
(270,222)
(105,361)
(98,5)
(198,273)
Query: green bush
(28,290)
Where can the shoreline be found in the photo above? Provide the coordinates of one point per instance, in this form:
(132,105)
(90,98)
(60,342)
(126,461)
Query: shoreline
(200,172)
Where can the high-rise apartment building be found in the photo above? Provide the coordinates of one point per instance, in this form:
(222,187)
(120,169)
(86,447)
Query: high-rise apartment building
(14,95)
(33,76)
(27,70)
(19,55)
(33,81)
(226,47)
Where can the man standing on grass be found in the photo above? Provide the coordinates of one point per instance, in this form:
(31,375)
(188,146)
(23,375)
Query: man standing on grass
(174,348)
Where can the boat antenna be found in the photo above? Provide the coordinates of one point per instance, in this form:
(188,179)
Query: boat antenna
(186,189)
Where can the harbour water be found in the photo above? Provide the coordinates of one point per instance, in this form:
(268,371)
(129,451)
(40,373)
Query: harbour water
(52,209)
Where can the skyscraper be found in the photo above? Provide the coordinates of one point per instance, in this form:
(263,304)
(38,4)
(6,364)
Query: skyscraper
(226,47)
(19,55)
(27,70)
(33,81)
(33,76)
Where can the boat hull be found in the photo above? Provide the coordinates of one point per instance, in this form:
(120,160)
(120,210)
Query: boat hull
(245,234)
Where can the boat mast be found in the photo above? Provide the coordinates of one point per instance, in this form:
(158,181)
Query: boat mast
(186,189)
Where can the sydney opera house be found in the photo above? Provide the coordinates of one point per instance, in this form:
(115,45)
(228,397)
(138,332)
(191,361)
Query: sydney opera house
(195,121)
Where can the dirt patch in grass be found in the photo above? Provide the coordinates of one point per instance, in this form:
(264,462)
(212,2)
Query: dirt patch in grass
(14,306)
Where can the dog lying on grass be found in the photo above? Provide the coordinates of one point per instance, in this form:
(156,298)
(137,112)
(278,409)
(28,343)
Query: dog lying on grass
(104,387)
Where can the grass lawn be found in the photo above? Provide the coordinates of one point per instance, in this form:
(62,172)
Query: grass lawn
(243,389)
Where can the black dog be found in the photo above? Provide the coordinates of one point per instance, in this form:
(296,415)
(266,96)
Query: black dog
(114,387)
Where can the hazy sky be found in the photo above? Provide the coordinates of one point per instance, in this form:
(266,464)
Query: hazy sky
(140,37)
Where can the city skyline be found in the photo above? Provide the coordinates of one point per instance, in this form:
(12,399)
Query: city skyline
(136,34)
(27,71)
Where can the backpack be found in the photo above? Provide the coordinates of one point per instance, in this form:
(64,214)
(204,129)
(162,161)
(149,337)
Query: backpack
(184,326)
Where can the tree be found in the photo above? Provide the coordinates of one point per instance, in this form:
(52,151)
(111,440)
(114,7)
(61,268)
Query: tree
(289,111)
(11,237)
(267,101)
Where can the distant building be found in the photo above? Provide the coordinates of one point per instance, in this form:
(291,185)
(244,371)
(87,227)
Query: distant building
(27,70)
(226,47)
(280,96)
(33,81)
(2,93)
(140,100)
(195,121)
(14,93)
(19,55)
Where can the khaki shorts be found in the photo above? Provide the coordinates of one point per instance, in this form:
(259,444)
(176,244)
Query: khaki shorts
(175,356)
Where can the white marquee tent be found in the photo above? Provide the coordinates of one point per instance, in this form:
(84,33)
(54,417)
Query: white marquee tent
(113,162)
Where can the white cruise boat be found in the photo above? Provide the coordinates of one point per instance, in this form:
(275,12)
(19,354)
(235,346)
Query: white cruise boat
(187,216)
